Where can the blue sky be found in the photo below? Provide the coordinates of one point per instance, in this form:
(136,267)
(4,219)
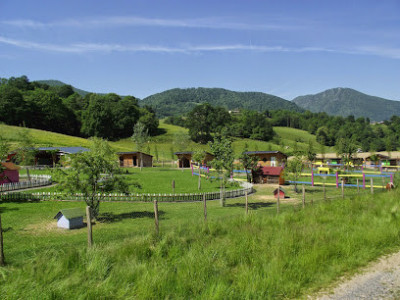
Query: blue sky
(284,48)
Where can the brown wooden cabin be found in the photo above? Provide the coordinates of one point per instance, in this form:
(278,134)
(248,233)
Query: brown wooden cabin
(133,159)
(185,159)
(269,158)
(268,175)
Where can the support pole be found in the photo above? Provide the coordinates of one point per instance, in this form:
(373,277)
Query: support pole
(2,260)
(278,204)
(342,188)
(358,186)
(337,180)
(364,181)
(89,226)
(247,202)
(304,196)
(205,207)
(156,215)
(372,185)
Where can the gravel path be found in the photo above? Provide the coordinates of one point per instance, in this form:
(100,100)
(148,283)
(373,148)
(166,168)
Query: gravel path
(380,280)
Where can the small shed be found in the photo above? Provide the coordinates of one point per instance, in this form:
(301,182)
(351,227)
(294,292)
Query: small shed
(9,173)
(185,159)
(70,218)
(134,159)
(281,192)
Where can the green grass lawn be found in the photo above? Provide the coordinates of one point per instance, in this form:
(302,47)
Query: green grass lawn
(155,180)
(264,255)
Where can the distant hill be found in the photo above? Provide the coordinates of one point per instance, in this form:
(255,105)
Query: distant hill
(60,83)
(180,101)
(345,102)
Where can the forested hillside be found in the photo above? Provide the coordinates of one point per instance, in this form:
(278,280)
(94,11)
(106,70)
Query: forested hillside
(180,101)
(345,102)
(60,109)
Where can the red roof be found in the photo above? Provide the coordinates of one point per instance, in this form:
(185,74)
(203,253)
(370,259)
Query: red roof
(10,166)
(274,171)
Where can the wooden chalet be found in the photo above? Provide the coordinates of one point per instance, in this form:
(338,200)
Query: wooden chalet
(185,159)
(269,158)
(135,159)
(268,175)
(9,173)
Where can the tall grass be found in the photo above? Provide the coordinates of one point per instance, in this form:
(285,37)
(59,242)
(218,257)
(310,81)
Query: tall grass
(264,256)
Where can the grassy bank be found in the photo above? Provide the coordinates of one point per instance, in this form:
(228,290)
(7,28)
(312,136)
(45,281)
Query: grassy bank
(261,256)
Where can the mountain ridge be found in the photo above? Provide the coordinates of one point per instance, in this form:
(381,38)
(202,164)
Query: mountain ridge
(346,101)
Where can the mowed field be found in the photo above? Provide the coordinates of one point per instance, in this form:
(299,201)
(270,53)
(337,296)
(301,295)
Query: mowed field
(262,255)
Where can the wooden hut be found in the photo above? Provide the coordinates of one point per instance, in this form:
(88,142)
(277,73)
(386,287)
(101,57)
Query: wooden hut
(9,173)
(135,159)
(185,159)
(268,175)
(70,218)
(269,158)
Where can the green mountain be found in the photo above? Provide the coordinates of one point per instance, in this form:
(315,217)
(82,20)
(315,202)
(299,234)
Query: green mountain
(180,101)
(60,83)
(345,102)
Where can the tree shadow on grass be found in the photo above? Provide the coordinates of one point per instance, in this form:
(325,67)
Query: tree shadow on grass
(110,217)
(4,209)
(252,205)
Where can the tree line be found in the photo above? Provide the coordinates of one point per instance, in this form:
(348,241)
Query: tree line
(205,121)
(60,109)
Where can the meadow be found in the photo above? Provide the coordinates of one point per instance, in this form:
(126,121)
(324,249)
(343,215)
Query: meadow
(262,255)
(168,141)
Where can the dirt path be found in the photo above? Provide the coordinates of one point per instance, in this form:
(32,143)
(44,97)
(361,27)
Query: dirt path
(379,280)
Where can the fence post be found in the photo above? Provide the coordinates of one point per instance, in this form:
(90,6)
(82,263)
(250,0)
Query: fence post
(364,181)
(156,215)
(358,187)
(2,261)
(278,200)
(372,185)
(304,196)
(342,188)
(383,183)
(173,186)
(337,179)
(205,207)
(247,202)
(89,225)
(324,192)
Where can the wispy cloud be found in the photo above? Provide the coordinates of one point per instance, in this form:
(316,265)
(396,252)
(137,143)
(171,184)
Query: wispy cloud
(80,48)
(125,21)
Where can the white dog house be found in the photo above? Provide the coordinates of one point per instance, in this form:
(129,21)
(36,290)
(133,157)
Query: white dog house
(70,218)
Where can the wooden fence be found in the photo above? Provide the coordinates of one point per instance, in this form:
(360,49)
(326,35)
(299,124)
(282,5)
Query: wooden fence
(188,197)
(36,181)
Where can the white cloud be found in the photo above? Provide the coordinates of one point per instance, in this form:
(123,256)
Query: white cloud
(78,48)
(121,21)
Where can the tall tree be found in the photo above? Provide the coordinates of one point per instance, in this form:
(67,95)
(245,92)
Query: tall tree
(346,148)
(221,147)
(94,174)
(198,156)
(249,163)
(140,137)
